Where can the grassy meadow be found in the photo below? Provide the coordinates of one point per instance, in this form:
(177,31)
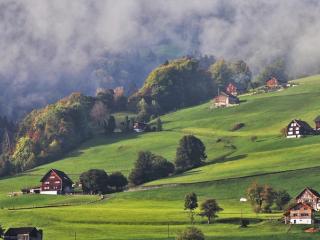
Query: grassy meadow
(257,152)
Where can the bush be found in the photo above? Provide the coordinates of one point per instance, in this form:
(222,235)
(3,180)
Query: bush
(237,126)
(253,138)
(283,132)
(117,181)
(94,181)
(149,167)
(191,233)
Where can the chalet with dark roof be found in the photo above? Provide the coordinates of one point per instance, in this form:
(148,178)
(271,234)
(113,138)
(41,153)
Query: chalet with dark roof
(300,213)
(231,89)
(225,100)
(23,233)
(56,182)
(298,128)
(310,197)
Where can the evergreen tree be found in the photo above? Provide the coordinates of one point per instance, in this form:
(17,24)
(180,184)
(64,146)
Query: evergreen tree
(190,153)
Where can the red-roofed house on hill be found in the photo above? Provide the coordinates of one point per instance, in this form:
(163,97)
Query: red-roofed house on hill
(231,89)
(272,83)
(300,213)
(56,182)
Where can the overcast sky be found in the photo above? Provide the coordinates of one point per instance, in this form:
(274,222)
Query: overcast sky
(44,42)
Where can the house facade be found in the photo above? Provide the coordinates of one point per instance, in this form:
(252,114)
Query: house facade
(299,128)
(231,89)
(272,83)
(56,182)
(225,100)
(300,213)
(309,196)
(23,233)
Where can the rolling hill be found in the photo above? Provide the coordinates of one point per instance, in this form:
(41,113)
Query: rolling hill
(256,152)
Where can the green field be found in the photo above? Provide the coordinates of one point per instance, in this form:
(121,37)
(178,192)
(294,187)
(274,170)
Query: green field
(234,162)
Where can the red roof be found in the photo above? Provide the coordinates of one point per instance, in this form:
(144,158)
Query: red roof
(297,206)
(272,82)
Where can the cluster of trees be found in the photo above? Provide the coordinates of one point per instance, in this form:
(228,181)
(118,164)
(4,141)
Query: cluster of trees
(263,197)
(238,73)
(172,85)
(208,208)
(275,69)
(97,181)
(45,134)
(190,154)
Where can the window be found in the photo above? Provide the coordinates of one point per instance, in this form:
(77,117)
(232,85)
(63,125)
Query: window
(52,177)
(23,237)
(304,214)
(295,215)
(57,182)
(46,182)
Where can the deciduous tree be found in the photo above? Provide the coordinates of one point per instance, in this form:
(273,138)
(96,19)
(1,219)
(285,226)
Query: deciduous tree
(94,181)
(190,204)
(209,208)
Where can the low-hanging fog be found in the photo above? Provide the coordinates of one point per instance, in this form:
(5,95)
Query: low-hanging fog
(51,48)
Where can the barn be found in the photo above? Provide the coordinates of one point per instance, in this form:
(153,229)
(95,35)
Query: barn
(56,182)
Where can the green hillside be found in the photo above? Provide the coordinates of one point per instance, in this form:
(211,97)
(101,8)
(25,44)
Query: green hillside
(234,161)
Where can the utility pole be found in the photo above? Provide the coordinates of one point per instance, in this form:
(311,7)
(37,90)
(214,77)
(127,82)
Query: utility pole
(168,231)
(241,201)
(75,235)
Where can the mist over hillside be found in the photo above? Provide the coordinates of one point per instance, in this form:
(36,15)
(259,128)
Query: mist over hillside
(51,48)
